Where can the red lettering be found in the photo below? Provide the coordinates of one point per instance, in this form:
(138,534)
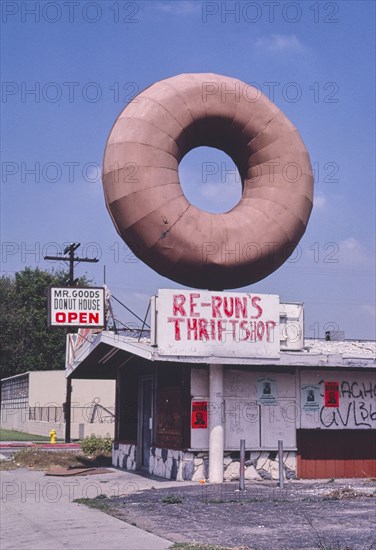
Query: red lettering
(81,317)
(202,329)
(192,327)
(93,317)
(244,328)
(216,302)
(176,327)
(212,329)
(254,301)
(234,324)
(193,305)
(60,317)
(221,327)
(260,330)
(252,331)
(241,307)
(179,301)
(228,306)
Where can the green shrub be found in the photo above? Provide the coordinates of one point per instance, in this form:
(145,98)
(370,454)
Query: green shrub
(172,499)
(96,444)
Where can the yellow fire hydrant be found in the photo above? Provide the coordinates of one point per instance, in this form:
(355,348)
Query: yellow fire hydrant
(53,436)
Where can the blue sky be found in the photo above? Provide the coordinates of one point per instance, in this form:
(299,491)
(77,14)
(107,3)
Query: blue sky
(85,60)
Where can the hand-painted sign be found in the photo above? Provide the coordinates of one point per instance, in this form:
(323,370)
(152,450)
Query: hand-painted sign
(332,394)
(76,306)
(223,324)
(199,414)
(310,397)
(267,391)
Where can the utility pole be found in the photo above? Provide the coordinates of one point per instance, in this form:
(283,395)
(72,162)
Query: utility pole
(71,259)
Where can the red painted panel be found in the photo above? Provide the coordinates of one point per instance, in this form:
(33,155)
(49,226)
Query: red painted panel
(336,453)
(349,467)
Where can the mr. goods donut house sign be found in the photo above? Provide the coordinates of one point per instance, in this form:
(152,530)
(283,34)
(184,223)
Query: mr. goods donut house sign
(76,307)
(223,324)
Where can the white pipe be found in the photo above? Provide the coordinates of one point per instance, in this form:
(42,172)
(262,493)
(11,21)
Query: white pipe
(216,424)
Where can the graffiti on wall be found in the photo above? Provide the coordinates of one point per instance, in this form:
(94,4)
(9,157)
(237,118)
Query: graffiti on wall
(356,407)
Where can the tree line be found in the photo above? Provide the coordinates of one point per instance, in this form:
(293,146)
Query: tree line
(26,341)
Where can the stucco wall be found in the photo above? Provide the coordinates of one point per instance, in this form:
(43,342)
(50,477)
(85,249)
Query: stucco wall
(261,426)
(47,387)
(47,390)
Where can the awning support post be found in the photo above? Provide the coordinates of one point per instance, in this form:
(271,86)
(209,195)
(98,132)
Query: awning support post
(216,424)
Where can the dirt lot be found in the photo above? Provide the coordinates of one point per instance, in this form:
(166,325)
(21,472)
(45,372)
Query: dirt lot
(327,516)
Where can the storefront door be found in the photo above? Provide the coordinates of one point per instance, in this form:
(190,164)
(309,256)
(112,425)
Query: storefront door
(145,421)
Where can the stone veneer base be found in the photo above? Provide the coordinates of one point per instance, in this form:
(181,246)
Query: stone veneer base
(193,466)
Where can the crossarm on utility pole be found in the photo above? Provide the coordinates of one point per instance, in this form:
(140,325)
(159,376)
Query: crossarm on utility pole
(71,259)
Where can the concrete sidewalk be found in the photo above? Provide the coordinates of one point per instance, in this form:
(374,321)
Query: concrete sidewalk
(38,512)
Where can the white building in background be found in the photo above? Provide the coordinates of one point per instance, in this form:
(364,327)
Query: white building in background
(33,402)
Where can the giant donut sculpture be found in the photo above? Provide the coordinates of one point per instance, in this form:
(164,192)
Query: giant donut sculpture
(147,204)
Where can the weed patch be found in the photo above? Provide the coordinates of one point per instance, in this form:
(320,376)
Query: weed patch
(172,499)
(100,502)
(43,460)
